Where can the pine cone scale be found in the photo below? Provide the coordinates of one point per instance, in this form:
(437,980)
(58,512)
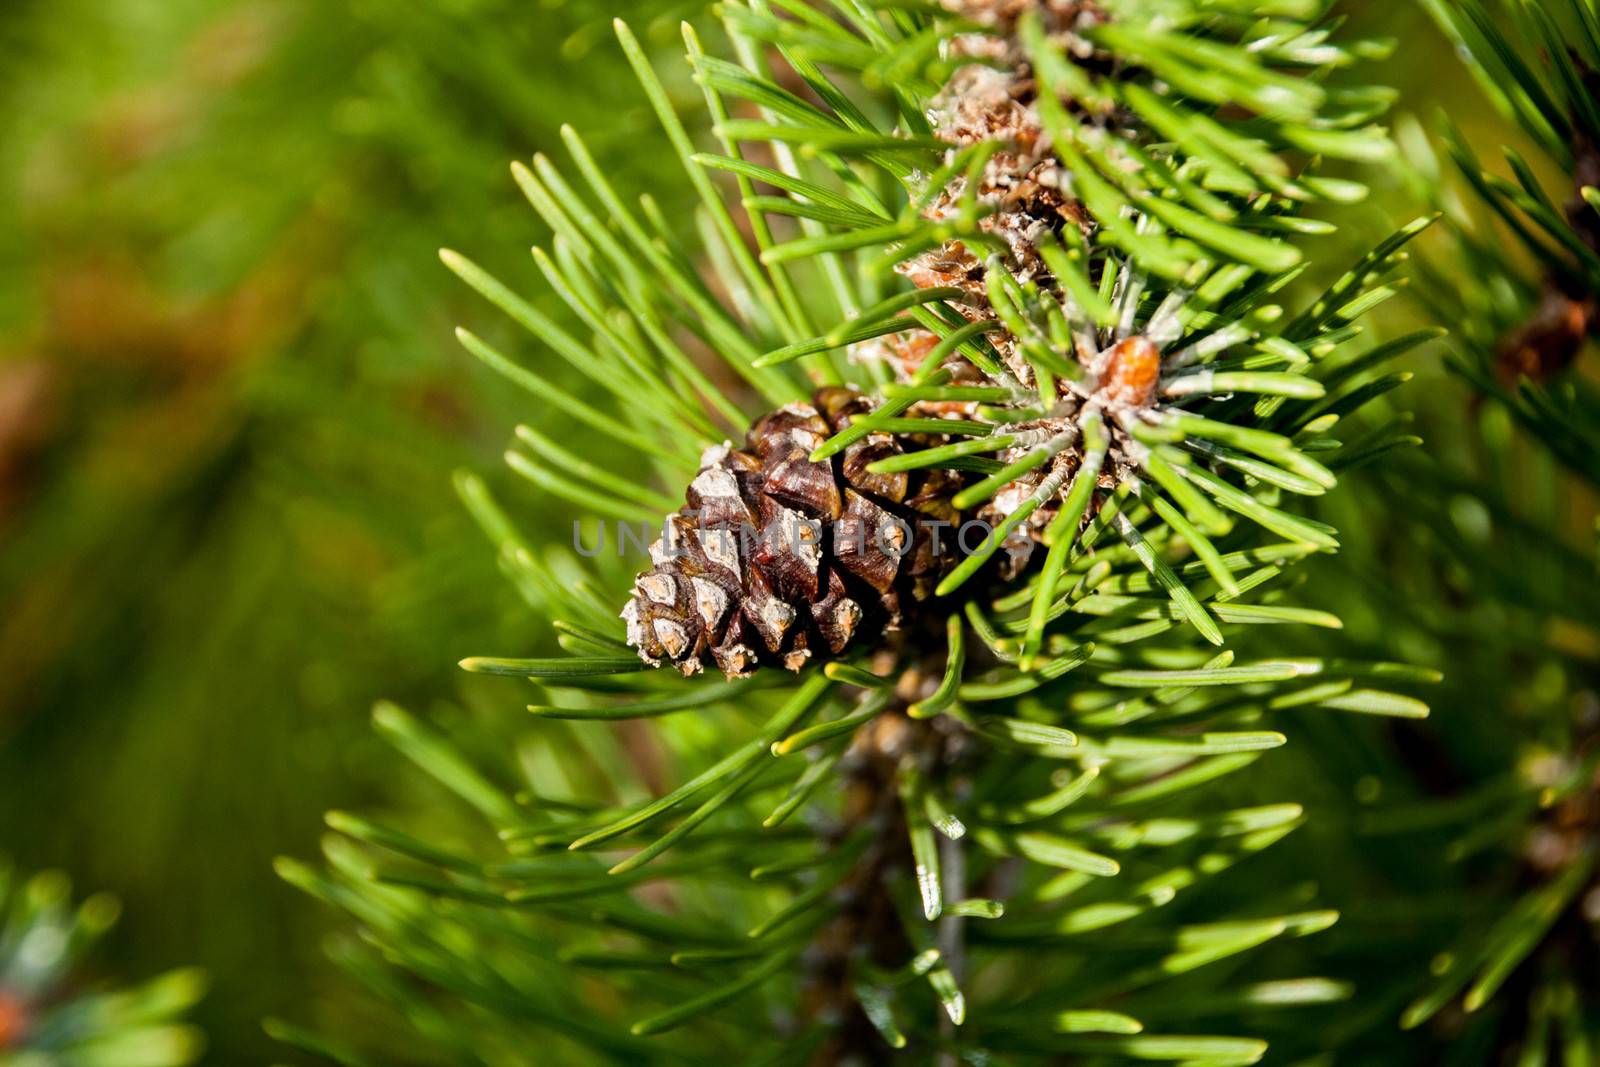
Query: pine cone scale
(777,558)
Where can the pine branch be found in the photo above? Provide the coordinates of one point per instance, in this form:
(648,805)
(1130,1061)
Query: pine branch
(1525,332)
(1503,820)
(1092,355)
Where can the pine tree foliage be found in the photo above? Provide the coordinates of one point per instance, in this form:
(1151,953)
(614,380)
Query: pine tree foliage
(52,1016)
(933,842)
(1477,841)
(1538,63)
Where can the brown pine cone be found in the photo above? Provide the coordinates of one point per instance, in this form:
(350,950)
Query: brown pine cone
(777,558)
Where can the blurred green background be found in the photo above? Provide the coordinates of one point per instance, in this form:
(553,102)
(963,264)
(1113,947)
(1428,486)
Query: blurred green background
(230,404)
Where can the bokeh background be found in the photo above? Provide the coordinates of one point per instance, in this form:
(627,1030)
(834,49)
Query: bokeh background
(230,406)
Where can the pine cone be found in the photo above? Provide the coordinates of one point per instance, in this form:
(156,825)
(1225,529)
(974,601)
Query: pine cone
(777,558)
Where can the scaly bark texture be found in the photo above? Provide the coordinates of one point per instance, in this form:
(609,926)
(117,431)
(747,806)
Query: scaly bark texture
(993,98)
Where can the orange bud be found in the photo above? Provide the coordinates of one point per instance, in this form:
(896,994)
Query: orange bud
(1131,372)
